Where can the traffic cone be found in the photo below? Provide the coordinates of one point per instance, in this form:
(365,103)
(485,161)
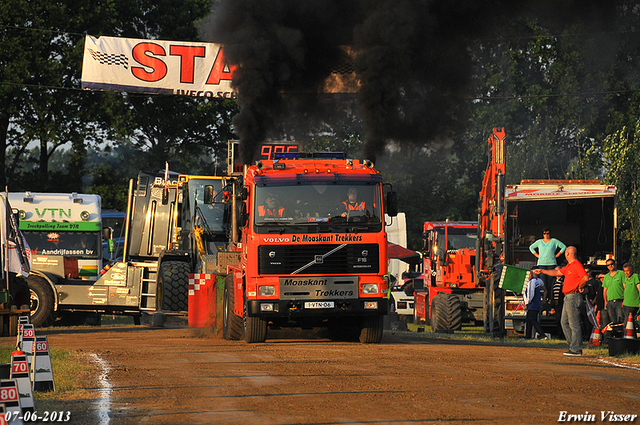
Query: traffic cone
(629,331)
(596,336)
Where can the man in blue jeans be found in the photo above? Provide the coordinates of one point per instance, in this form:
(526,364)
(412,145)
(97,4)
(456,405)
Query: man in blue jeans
(575,279)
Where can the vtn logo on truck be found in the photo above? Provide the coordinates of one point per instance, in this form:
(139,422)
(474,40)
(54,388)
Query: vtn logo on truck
(61,213)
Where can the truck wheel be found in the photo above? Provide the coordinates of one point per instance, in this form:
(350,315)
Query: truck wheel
(371,332)
(174,283)
(438,322)
(255,328)
(231,324)
(453,312)
(41,302)
(498,313)
(347,329)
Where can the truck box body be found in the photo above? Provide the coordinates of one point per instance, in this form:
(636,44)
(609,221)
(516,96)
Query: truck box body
(63,232)
(578,213)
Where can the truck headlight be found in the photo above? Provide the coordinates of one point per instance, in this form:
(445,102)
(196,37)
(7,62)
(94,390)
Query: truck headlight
(267,291)
(370,288)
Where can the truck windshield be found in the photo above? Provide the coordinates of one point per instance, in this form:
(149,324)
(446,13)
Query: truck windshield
(458,238)
(330,206)
(208,202)
(68,244)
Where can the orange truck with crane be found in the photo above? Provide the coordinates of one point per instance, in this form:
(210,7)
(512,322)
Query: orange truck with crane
(310,255)
(462,281)
(581,213)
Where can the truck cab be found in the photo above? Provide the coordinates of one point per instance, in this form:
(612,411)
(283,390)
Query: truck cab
(312,253)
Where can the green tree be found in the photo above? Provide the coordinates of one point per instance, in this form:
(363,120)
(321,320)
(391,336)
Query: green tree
(622,156)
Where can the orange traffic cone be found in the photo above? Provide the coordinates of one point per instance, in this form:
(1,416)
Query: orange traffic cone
(596,336)
(629,331)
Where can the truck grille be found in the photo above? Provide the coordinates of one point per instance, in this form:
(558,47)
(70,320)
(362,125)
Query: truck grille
(289,259)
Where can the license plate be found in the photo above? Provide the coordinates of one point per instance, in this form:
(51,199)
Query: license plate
(319,304)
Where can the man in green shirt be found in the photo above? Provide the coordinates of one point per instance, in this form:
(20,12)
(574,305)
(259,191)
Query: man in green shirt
(613,293)
(631,293)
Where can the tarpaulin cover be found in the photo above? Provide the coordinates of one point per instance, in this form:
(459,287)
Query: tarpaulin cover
(402,253)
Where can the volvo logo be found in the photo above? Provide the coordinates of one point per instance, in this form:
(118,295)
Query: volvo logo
(365,252)
(272,254)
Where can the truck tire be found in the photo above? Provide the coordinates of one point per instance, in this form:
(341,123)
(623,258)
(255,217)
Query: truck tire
(41,302)
(255,328)
(453,312)
(346,329)
(231,323)
(174,284)
(371,332)
(498,314)
(446,313)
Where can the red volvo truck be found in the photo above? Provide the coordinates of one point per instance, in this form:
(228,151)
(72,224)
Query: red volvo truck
(308,255)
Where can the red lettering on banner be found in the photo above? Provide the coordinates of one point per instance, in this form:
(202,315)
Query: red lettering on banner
(187,55)
(140,55)
(217,70)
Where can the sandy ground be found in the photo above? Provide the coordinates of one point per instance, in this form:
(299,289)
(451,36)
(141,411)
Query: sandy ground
(189,376)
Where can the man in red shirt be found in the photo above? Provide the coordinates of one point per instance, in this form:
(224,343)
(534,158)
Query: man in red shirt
(575,279)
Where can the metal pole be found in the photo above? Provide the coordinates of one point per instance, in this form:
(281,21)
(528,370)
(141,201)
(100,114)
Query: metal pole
(125,251)
(5,240)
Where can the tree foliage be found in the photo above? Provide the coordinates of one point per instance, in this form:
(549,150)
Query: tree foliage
(566,94)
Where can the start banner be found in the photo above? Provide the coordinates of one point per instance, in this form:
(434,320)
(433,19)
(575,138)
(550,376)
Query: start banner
(156,66)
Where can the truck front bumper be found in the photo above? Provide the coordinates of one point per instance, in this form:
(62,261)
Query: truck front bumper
(318,308)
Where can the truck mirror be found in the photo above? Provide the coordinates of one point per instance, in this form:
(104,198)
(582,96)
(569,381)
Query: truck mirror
(243,217)
(426,242)
(208,195)
(392,204)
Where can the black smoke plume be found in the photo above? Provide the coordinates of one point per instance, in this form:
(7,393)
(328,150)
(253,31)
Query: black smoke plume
(411,57)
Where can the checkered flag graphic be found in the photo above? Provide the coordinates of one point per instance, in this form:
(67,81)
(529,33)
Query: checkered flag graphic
(110,58)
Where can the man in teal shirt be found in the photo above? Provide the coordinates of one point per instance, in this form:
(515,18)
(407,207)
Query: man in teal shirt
(546,250)
(613,292)
(631,293)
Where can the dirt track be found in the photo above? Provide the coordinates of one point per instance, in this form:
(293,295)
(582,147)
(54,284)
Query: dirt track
(185,376)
